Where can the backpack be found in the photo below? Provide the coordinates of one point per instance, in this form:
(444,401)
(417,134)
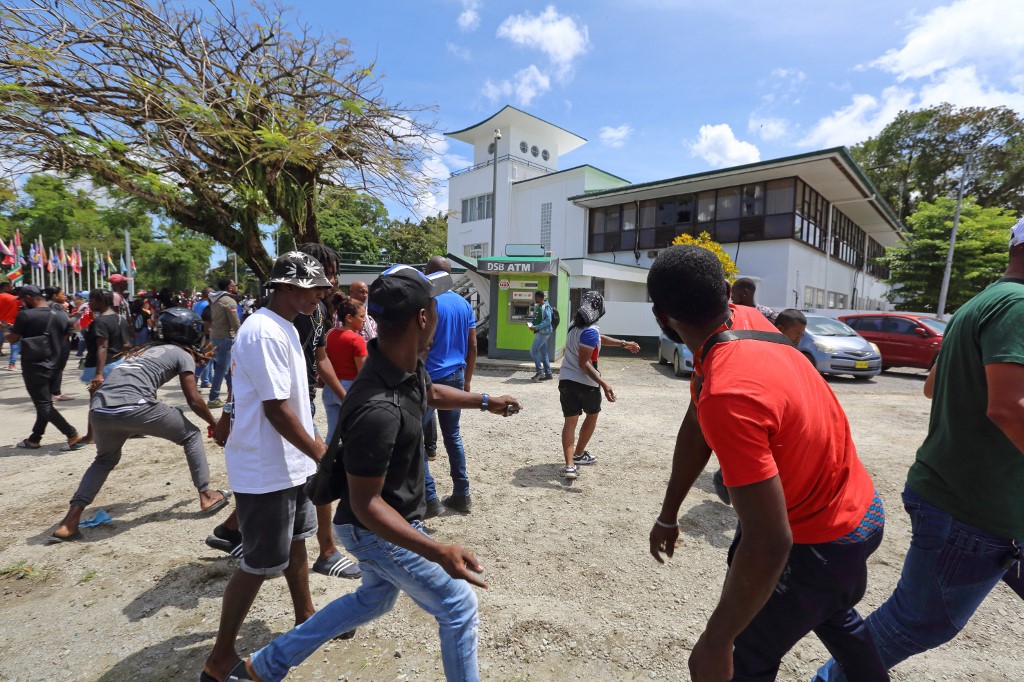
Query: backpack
(555,318)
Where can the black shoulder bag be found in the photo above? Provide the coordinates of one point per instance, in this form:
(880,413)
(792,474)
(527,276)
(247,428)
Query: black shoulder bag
(38,348)
(737,335)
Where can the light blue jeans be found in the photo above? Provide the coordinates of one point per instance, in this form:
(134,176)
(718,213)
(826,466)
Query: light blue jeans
(15,352)
(387,570)
(540,351)
(332,405)
(222,367)
(949,570)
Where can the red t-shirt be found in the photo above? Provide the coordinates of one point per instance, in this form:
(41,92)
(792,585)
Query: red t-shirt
(765,410)
(343,347)
(9,306)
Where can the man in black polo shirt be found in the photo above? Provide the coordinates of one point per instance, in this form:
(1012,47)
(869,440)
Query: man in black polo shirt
(379,475)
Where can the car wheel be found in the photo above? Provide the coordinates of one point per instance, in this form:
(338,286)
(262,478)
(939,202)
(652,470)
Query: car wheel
(886,368)
(677,365)
(661,358)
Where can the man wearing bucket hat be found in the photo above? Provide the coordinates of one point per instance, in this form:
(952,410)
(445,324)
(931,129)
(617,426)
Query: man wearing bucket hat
(379,476)
(271,452)
(963,490)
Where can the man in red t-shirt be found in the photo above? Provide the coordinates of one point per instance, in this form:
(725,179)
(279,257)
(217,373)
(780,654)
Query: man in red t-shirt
(808,513)
(9,306)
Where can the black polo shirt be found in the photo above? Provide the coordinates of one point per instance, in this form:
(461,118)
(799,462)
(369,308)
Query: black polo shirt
(381,438)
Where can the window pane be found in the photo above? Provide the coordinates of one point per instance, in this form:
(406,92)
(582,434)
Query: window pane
(728,203)
(667,211)
(596,243)
(597,221)
(629,217)
(613,215)
(779,197)
(647,238)
(706,207)
(727,231)
(778,226)
(684,208)
(663,236)
(751,229)
(753,200)
(648,209)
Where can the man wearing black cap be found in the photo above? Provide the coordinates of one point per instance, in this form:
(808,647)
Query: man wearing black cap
(41,331)
(379,476)
(271,452)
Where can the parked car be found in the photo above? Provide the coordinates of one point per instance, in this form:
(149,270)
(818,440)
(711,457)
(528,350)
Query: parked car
(676,353)
(834,348)
(905,340)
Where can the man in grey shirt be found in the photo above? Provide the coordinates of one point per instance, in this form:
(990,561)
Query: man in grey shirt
(126,404)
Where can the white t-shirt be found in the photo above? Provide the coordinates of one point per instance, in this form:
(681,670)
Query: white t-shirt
(266,364)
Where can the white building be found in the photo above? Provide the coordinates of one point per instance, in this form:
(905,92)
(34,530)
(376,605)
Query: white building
(774,217)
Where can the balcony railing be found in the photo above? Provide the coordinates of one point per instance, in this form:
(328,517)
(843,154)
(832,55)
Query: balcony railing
(507,157)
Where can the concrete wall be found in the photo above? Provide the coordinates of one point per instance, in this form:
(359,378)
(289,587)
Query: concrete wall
(628,319)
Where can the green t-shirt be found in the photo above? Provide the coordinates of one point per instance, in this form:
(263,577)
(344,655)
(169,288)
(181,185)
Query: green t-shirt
(967,466)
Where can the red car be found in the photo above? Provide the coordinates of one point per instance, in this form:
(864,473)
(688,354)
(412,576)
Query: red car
(904,339)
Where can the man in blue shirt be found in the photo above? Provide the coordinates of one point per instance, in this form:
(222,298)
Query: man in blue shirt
(450,362)
(543,335)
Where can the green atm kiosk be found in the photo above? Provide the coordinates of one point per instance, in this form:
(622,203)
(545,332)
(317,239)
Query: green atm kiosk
(514,280)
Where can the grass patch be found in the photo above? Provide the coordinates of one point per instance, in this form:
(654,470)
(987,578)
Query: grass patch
(89,575)
(22,571)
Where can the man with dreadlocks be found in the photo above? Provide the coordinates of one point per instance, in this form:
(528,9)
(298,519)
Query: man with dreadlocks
(126,404)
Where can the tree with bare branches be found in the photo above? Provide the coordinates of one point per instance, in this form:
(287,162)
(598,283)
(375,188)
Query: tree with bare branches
(222,119)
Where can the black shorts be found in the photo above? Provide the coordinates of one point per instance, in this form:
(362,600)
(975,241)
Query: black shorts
(270,523)
(577,398)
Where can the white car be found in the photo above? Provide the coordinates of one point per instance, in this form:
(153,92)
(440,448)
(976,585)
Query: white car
(676,353)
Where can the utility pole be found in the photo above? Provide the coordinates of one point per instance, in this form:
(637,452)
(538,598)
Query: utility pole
(494,190)
(940,310)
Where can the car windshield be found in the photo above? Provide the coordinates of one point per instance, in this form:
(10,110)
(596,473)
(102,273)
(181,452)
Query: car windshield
(823,326)
(937,326)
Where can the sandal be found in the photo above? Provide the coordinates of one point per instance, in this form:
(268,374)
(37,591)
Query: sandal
(74,447)
(28,445)
(219,504)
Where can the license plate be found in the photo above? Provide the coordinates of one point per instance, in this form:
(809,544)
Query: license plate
(861,364)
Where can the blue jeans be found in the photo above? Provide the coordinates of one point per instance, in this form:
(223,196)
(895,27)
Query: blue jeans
(949,570)
(206,372)
(539,351)
(387,570)
(15,352)
(332,406)
(448,420)
(222,368)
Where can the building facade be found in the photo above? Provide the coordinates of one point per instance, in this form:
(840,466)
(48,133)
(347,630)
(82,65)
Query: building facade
(808,228)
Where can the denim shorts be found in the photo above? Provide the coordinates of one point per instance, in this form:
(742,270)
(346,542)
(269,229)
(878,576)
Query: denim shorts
(270,523)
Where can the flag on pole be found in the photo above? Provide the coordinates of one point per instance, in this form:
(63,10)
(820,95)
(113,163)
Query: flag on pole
(134,271)
(124,269)
(77,255)
(17,248)
(8,252)
(103,266)
(110,263)
(15,276)
(50,260)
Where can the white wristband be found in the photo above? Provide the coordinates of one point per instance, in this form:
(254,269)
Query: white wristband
(661,523)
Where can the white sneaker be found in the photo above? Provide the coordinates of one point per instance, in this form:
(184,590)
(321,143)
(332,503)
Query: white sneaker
(570,473)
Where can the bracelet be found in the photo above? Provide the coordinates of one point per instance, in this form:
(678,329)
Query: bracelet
(661,523)
(485,403)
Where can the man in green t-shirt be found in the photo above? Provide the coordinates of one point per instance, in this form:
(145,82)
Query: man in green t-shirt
(963,491)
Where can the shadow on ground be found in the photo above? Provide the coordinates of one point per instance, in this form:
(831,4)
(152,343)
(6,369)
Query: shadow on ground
(547,475)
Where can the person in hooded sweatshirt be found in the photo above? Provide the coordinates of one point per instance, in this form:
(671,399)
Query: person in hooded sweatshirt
(224,323)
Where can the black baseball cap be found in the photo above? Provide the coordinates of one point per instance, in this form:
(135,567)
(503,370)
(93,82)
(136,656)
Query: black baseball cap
(401,291)
(28,290)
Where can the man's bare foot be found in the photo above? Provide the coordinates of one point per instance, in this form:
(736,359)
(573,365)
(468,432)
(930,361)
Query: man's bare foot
(68,527)
(212,500)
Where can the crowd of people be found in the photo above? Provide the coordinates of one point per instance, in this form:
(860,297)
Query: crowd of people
(389,355)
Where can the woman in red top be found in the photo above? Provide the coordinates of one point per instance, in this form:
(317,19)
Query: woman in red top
(346,349)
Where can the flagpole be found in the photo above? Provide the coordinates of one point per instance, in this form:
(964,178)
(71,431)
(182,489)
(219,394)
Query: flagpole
(128,259)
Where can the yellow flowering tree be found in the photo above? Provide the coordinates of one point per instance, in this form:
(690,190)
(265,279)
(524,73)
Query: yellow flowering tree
(706,242)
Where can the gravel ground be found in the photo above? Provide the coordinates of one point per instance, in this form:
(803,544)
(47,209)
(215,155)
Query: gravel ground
(573,592)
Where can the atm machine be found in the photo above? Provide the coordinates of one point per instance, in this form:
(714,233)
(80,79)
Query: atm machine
(520,302)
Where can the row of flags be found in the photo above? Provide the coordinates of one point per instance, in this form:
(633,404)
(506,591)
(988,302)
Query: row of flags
(58,259)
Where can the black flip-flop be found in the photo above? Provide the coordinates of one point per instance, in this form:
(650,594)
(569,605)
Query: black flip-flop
(79,445)
(26,445)
(237,674)
(220,504)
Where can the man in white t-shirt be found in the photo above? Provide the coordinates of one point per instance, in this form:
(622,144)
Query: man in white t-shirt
(271,452)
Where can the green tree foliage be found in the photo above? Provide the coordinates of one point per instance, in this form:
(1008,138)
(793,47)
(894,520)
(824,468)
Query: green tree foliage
(178,259)
(405,241)
(225,119)
(350,223)
(980,257)
(8,201)
(920,157)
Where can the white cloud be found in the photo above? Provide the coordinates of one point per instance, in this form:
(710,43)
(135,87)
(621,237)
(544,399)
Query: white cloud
(981,32)
(963,87)
(865,116)
(767,128)
(526,85)
(615,137)
(792,75)
(717,145)
(469,18)
(556,35)
(459,51)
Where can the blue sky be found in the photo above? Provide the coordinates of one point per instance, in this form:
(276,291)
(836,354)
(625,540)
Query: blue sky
(667,87)
(661,88)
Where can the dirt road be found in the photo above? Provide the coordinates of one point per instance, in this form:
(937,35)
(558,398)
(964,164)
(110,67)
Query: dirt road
(573,592)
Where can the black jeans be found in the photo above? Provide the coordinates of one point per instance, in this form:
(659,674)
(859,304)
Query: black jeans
(817,591)
(37,381)
(57,377)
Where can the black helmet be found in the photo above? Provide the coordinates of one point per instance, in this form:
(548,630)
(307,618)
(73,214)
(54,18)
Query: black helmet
(181,325)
